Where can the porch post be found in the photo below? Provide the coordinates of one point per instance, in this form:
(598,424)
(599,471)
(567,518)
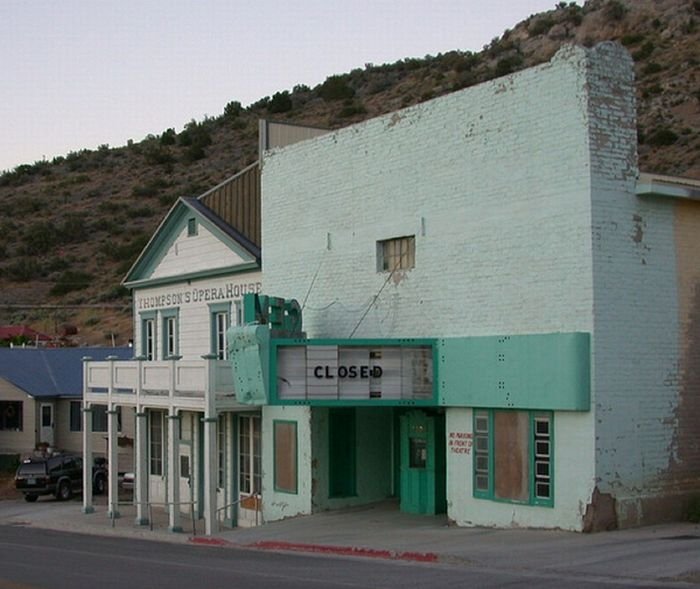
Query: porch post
(141,470)
(87,458)
(174,518)
(210,456)
(112,461)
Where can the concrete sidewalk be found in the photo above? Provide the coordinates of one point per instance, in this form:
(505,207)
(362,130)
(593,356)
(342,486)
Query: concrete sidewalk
(669,554)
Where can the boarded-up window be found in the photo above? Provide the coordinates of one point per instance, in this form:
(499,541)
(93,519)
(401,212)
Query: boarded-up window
(513,453)
(511,462)
(285,441)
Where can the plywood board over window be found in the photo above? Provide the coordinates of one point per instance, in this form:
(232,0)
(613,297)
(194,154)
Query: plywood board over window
(511,431)
(285,441)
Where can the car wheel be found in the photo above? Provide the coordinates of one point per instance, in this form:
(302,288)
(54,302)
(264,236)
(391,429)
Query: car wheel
(64,491)
(31,498)
(99,486)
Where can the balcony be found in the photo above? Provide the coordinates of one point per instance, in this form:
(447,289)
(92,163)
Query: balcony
(185,384)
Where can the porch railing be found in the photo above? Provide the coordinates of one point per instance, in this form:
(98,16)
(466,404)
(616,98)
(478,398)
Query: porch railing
(158,382)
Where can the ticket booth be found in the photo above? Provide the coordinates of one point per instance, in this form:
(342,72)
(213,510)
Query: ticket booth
(422,472)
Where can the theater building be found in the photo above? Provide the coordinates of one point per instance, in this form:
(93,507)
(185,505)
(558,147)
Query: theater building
(522,301)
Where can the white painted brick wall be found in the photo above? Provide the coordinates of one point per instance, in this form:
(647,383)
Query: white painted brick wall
(499,177)
(636,337)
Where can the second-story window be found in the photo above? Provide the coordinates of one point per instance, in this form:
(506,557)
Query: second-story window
(396,254)
(170,333)
(148,338)
(220,322)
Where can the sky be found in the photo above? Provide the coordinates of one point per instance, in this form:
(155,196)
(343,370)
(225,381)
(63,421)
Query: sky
(76,74)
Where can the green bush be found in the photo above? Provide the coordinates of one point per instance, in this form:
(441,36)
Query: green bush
(280,102)
(541,25)
(233,109)
(354,108)
(645,51)
(156,154)
(70,281)
(508,65)
(23,270)
(336,88)
(631,39)
(661,136)
(652,68)
(615,10)
(39,237)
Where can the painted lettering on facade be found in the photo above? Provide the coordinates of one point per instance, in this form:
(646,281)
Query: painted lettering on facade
(227,292)
(460,442)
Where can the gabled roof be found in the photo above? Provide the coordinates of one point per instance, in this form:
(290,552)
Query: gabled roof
(169,229)
(10,331)
(52,372)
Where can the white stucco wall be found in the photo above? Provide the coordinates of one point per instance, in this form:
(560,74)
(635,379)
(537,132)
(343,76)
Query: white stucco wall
(277,504)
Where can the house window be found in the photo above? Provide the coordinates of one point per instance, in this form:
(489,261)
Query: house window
(250,466)
(285,449)
(11,415)
(148,336)
(396,254)
(513,456)
(170,333)
(99,418)
(191,227)
(76,416)
(220,321)
(156,445)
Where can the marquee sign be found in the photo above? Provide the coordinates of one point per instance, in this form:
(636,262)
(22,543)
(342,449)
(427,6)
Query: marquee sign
(346,371)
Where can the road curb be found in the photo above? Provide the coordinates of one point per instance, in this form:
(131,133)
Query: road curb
(346,550)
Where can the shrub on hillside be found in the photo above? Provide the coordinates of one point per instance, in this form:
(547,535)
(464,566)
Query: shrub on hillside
(335,88)
(69,281)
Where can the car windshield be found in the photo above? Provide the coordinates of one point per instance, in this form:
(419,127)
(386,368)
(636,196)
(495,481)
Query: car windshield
(31,468)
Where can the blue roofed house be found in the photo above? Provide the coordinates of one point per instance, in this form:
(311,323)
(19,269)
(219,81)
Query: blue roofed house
(41,401)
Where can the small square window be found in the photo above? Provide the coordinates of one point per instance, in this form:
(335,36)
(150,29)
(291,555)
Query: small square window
(191,227)
(396,254)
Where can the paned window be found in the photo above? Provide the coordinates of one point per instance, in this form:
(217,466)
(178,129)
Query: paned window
(220,321)
(250,459)
(11,415)
(513,456)
(76,416)
(396,254)
(191,227)
(170,333)
(148,338)
(156,442)
(99,418)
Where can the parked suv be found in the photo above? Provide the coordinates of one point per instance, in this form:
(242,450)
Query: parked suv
(59,475)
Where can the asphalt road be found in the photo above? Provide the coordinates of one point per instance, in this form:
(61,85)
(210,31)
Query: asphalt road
(33,558)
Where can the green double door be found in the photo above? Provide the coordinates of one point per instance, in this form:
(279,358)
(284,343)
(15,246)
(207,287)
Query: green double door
(422,459)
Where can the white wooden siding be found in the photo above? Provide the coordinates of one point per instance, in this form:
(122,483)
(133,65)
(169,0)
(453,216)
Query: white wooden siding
(203,251)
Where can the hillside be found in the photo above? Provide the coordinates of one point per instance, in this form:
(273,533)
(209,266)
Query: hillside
(71,227)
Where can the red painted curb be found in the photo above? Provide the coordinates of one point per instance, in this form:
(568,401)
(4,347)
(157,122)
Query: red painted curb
(346,551)
(209,541)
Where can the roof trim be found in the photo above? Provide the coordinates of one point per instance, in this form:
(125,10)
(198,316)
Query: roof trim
(668,186)
(163,235)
